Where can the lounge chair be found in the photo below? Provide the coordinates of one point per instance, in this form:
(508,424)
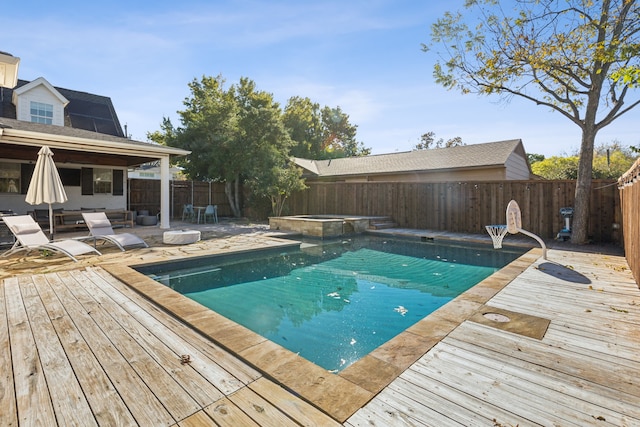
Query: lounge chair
(29,237)
(100,228)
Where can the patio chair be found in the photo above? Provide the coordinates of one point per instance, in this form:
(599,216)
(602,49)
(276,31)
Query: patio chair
(100,228)
(30,237)
(188,212)
(211,211)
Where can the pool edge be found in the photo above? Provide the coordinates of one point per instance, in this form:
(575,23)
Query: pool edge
(341,395)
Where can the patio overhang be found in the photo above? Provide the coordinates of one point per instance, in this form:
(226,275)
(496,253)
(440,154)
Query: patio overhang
(89,148)
(21,141)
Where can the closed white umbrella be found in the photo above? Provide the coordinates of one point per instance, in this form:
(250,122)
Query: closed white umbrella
(46,185)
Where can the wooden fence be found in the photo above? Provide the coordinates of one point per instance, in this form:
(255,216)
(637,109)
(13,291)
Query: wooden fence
(629,187)
(144,194)
(464,207)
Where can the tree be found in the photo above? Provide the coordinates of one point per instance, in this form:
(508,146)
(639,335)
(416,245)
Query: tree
(533,158)
(235,136)
(577,57)
(557,167)
(610,161)
(303,120)
(339,136)
(428,140)
(280,184)
(320,133)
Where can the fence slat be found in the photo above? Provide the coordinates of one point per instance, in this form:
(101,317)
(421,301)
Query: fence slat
(464,207)
(629,193)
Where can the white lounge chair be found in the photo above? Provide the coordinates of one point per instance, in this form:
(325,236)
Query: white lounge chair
(100,228)
(29,237)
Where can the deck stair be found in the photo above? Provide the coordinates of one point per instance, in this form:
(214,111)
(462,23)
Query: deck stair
(382,223)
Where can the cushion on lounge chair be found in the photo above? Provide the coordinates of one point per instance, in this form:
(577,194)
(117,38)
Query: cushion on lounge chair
(26,228)
(98,223)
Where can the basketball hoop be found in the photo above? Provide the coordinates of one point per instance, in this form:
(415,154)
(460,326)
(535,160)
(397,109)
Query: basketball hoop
(497,233)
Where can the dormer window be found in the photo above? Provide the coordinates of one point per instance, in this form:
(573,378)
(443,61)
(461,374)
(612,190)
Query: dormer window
(39,102)
(41,113)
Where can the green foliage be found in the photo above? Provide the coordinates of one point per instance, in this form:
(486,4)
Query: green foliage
(580,58)
(557,167)
(234,135)
(321,133)
(339,136)
(428,140)
(534,158)
(240,135)
(303,120)
(610,161)
(557,54)
(279,184)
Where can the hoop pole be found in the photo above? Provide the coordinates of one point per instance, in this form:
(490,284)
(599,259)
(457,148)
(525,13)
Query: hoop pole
(533,236)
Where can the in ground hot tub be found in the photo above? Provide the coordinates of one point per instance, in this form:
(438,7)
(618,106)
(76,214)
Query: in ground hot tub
(320,225)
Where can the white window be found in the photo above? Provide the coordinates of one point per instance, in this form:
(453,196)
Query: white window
(41,113)
(102,181)
(9,177)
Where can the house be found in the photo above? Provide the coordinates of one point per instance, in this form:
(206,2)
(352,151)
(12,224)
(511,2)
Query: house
(83,131)
(152,171)
(493,161)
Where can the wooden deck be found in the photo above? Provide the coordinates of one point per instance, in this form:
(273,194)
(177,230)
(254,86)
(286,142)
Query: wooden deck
(80,347)
(585,371)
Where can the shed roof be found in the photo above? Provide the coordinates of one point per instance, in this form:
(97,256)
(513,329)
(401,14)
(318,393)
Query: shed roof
(460,157)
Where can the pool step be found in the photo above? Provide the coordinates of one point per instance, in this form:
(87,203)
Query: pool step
(382,223)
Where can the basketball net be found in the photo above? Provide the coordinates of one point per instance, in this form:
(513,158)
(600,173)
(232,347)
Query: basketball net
(497,233)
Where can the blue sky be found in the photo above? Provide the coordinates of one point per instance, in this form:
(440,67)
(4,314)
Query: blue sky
(361,55)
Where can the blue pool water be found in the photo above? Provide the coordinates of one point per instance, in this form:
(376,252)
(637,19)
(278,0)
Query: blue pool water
(333,303)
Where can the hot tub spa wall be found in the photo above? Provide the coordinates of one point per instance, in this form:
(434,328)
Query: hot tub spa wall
(308,226)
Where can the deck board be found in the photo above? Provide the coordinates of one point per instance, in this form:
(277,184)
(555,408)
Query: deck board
(159,353)
(34,407)
(80,347)
(8,410)
(70,406)
(106,403)
(582,372)
(208,359)
(137,394)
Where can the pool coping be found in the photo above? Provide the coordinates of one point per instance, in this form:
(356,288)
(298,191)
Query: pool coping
(339,395)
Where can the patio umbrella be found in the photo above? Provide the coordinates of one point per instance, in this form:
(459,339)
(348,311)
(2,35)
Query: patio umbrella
(45,185)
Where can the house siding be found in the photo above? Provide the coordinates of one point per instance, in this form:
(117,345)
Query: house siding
(517,168)
(39,94)
(485,174)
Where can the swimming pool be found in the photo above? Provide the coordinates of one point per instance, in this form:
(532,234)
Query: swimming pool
(334,302)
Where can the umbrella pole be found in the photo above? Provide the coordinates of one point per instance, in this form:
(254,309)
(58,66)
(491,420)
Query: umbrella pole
(50,222)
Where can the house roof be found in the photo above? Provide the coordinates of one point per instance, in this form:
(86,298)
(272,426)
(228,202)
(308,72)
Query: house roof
(91,132)
(76,145)
(84,111)
(20,89)
(461,157)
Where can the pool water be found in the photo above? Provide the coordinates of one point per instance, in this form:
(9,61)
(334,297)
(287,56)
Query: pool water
(333,303)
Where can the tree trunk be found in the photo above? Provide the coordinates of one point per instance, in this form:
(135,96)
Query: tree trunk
(238,210)
(232,192)
(579,232)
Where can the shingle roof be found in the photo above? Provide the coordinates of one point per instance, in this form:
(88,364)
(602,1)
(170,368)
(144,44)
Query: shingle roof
(86,111)
(465,156)
(67,131)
